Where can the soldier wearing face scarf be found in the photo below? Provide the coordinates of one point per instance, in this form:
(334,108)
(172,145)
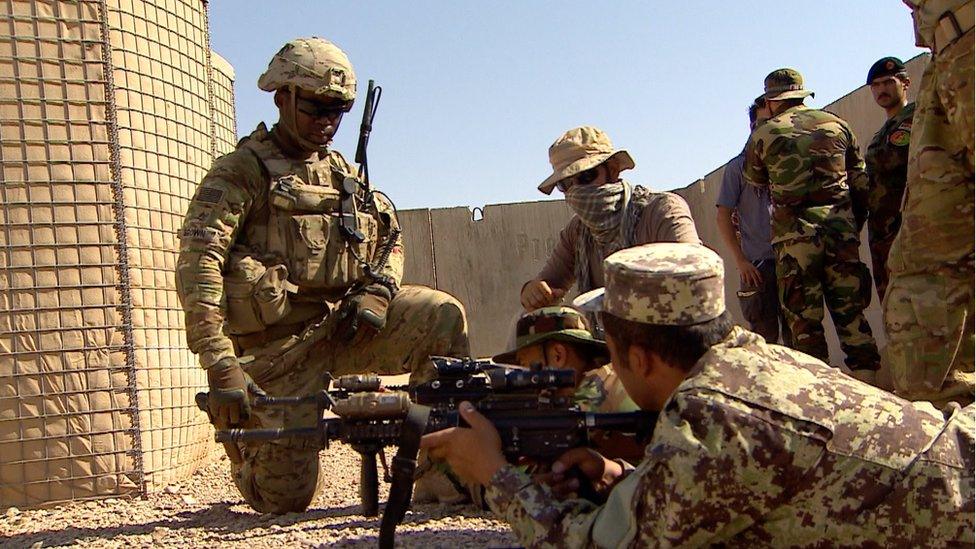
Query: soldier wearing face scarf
(611,214)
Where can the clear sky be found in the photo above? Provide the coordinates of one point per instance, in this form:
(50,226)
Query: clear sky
(475,92)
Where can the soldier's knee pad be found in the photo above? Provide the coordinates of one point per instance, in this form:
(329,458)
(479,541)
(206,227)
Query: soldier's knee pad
(278,478)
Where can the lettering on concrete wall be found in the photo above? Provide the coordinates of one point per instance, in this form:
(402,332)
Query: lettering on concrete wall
(534,248)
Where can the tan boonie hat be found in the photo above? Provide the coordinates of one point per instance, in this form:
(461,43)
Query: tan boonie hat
(785,84)
(552,324)
(580,149)
(312,64)
(668,283)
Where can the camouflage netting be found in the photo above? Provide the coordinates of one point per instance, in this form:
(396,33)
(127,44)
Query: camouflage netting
(109,115)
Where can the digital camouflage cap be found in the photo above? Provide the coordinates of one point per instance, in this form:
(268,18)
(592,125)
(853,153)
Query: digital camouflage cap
(552,324)
(668,283)
(785,84)
(312,64)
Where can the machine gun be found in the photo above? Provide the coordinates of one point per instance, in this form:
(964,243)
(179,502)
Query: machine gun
(532,420)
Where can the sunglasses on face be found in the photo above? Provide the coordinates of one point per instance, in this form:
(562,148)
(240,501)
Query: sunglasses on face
(582,178)
(315,109)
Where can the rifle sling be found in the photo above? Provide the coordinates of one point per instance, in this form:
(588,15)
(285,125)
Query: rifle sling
(402,469)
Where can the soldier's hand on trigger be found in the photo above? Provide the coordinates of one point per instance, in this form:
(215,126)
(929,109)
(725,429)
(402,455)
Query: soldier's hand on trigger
(474,453)
(230,390)
(602,473)
(363,315)
(537,294)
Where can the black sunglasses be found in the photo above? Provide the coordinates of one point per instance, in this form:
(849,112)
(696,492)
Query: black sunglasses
(582,178)
(322,110)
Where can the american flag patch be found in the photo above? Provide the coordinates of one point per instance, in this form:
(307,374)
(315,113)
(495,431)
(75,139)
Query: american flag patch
(210,195)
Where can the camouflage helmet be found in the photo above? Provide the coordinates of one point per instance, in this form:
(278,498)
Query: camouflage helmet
(312,64)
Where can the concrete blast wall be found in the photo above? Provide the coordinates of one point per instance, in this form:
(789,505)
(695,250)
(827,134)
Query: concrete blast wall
(485,262)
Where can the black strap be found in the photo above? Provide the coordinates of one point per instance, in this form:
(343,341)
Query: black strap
(403,467)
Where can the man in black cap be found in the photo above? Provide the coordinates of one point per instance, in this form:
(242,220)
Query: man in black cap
(887,162)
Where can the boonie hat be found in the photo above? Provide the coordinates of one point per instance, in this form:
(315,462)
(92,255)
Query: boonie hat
(668,283)
(552,324)
(580,149)
(784,84)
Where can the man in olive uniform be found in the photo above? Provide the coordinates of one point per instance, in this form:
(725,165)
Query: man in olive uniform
(887,162)
(756,445)
(290,267)
(928,310)
(810,161)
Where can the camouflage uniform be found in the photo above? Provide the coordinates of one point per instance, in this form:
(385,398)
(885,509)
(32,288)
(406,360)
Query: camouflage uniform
(886,161)
(928,311)
(601,391)
(261,262)
(760,445)
(810,161)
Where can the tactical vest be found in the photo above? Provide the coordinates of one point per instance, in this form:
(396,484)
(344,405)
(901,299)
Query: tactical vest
(293,231)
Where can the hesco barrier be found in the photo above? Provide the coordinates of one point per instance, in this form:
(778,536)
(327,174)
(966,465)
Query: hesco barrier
(110,113)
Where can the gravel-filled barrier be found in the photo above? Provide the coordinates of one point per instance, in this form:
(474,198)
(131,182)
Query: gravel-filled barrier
(207,511)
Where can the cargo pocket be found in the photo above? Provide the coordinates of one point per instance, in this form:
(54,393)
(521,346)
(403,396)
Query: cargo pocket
(308,239)
(257,297)
(751,303)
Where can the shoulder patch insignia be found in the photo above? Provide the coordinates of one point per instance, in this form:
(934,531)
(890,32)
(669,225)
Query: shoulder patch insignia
(900,138)
(210,195)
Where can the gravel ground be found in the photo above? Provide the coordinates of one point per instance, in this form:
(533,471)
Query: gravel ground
(207,511)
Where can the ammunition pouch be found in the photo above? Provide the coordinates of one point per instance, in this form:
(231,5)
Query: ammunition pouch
(307,230)
(257,296)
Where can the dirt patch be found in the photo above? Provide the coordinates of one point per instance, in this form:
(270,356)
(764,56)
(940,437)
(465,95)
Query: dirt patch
(207,511)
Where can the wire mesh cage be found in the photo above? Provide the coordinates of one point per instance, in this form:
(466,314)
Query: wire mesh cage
(110,113)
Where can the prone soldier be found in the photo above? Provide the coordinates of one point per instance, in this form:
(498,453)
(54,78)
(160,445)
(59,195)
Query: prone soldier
(755,445)
(559,337)
(290,267)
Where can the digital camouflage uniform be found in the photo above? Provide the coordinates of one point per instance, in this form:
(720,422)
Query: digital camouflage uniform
(810,160)
(928,311)
(760,445)
(886,161)
(262,262)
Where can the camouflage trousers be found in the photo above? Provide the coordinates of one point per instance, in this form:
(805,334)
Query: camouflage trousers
(827,267)
(928,312)
(882,227)
(283,476)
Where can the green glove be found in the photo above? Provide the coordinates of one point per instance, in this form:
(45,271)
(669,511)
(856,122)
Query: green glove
(363,314)
(230,386)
